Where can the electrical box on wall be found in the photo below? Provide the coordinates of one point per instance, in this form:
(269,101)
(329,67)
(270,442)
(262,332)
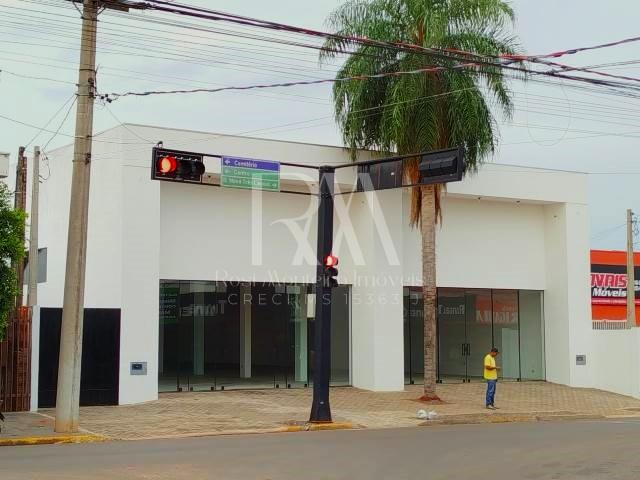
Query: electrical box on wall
(581,359)
(138,368)
(4,165)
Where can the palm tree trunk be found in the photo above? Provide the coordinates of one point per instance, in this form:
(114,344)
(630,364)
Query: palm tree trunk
(428,229)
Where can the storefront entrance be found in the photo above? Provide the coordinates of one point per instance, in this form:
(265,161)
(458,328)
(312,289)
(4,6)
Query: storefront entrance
(218,336)
(469,323)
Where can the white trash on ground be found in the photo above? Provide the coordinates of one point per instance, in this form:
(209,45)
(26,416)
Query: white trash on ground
(424,415)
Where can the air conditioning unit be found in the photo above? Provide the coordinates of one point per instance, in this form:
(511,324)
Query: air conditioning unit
(4,165)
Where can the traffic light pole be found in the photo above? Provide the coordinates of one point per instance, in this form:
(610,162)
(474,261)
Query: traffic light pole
(321,409)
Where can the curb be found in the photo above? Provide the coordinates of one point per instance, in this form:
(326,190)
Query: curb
(476,419)
(301,427)
(19,441)
(314,427)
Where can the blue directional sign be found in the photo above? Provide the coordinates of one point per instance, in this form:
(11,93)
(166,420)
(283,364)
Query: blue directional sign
(250,174)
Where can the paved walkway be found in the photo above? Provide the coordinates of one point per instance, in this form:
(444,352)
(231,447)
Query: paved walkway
(27,428)
(207,413)
(24,424)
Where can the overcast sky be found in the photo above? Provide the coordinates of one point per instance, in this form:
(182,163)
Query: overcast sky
(557,127)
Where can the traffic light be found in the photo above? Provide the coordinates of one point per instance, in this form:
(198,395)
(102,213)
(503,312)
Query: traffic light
(330,271)
(442,167)
(176,165)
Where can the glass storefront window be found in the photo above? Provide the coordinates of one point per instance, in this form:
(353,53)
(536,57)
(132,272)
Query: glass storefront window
(469,323)
(506,333)
(452,330)
(531,335)
(215,336)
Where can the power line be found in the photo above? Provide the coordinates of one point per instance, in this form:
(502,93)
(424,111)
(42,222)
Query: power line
(55,134)
(30,77)
(58,28)
(607,231)
(46,145)
(72,97)
(25,124)
(403,46)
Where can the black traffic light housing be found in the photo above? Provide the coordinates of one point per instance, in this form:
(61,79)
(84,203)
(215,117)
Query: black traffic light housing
(176,165)
(442,166)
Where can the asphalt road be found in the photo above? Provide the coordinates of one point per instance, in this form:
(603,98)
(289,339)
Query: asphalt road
(563,450)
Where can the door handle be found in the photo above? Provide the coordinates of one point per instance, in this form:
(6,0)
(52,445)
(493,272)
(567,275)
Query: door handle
(468,349)
(463,349)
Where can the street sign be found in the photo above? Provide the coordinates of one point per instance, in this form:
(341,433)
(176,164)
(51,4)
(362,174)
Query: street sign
(250,174)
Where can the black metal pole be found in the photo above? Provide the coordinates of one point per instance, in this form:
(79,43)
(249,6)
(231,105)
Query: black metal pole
(320,409)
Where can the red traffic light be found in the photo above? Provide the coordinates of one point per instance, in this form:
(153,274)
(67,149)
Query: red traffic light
(330,261)
(167,165)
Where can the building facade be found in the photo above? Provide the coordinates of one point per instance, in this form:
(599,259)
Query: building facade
(199,287)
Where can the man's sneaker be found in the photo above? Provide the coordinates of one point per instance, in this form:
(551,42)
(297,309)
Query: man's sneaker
(490,407)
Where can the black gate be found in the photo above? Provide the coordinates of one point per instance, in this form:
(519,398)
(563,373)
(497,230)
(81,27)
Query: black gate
(100,356)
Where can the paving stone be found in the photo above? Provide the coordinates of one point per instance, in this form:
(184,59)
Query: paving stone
(194,413)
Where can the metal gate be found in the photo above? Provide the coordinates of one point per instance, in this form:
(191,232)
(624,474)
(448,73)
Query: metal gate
(15,363)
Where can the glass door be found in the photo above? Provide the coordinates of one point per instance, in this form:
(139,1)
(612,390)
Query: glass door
(478,331)
(506,329)
(298,367)
(452,335)
(413,335)
(271,359)
(168,351)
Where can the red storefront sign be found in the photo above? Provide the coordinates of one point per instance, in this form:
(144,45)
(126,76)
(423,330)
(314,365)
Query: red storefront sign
(609,285)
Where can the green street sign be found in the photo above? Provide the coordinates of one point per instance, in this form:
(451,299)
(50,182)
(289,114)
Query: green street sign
(250,174)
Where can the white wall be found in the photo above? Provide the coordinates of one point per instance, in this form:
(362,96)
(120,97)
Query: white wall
(104,249)
(510,236)
(139,323)
(377,320)
(614,361)
(567,298)
(210,233)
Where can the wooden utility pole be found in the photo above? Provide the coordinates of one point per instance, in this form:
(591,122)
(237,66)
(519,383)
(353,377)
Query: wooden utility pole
(32,292)
(20,203)
(631,291)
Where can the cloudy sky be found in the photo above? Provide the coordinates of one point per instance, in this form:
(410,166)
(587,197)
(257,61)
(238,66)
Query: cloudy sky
(555,125)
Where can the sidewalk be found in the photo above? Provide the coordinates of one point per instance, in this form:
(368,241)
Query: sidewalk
(245,411)
(26,428)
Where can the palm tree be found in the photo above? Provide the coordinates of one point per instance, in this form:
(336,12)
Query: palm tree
(412,113)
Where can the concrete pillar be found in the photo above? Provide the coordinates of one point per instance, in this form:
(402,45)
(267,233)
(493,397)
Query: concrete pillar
(245,331)
(198,333)
(300,326)
(35,356)
(567,299)
(161,348)
(377,308)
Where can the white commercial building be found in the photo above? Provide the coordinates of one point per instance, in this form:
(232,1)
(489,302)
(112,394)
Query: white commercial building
(209,288)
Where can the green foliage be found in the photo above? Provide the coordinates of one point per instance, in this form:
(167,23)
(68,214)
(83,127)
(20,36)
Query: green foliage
(11,250)
(420,112)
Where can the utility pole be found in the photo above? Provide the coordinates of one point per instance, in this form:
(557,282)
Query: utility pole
(68,393)
(20,203)
(631,291)
(32,292)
